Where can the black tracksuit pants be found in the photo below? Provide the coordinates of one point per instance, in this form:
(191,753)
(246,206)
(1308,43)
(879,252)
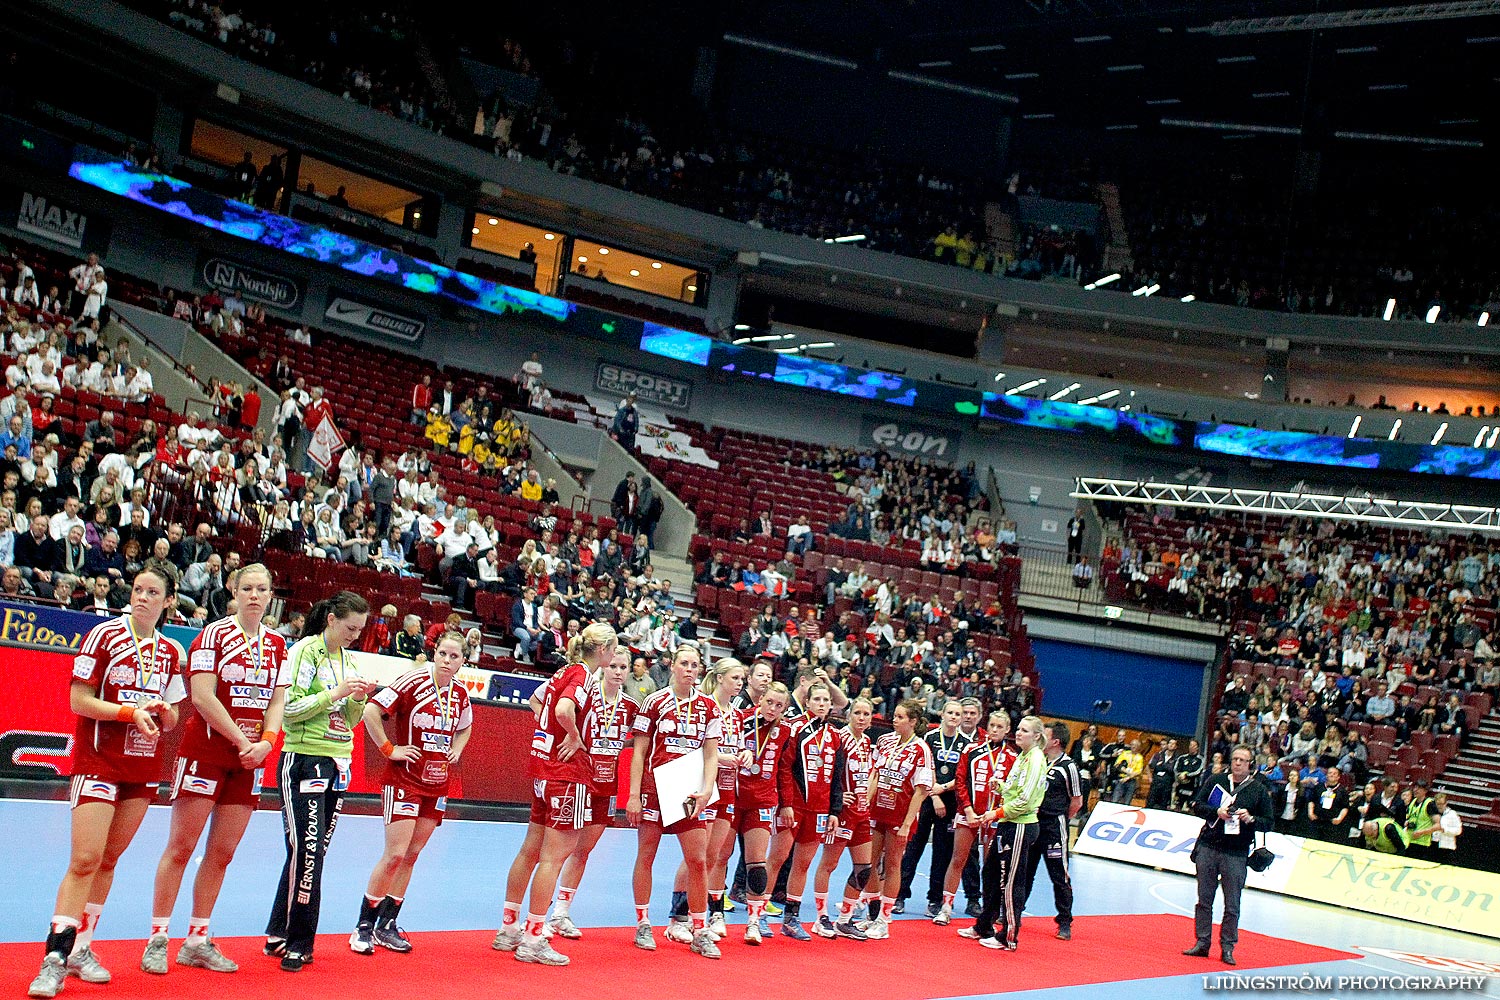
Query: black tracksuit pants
(310,804)
(1051,844)
(1004,880)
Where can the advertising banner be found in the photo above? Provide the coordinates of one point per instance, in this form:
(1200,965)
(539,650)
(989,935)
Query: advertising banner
(249,281)
(58,222)
(649,387)
(1336,874)
(906,437)
(351,310)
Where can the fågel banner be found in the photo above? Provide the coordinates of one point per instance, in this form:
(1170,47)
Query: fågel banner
(37,724)
(1336,874)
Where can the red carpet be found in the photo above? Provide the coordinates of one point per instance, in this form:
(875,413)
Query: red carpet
(607,967)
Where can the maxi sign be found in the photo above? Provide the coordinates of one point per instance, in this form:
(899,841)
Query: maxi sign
(1337,874)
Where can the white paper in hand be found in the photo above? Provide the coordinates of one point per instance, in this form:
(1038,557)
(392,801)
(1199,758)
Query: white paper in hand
(675,781)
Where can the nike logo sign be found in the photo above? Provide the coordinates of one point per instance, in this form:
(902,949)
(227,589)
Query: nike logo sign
(342,308)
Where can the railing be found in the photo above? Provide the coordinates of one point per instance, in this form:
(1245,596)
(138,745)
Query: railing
(1048,572)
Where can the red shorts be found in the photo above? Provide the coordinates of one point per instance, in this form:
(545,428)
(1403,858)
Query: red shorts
(854,831)
(600,810)
(752,818)
(650,813)
(720,810)
(230,786)
(92,788)
(398,803)
(559,805)
(811,828)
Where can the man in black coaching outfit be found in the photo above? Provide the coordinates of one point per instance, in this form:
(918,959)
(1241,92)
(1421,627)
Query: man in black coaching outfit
(1234,807)
(1060,803)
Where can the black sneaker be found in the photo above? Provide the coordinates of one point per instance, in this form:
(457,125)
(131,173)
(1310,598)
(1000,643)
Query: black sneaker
(275,947)
(974,908)
(362,941)
(900,906)
(293,961)
(392,937)
(1065,933)
(932,909)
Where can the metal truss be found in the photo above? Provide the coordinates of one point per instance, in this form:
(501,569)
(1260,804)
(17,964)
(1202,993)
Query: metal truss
(1372,509)
(1355,18)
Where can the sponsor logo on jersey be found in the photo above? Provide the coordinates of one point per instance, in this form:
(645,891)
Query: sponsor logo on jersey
(313,785)
(250,691)
(410,807)
(121,675)
(436,742)
(83,667)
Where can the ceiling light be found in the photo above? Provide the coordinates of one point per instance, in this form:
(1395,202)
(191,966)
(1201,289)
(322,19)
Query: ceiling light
(1101,282)
(1355,50)
(634,273)
(1124,68)
(1102,397)
(935,63)
(1442,429)
(1458,121)
(603,251)
(1432,314)
(692,288)
(742,340)
(1026,385)
(1120,128)
(475,230)
(1390,309)
(549,236)
(742,326)
(1088,39)
(999,376)
(826,343)
(1039,116)
(1387,86)
(1494,435)
(583,260)
(1160,101)
(1022,76)
(845,239)
(1190,298)
(1230,60)
(1059,394)
(1146,290)
(997,47)
(1479,438)
(1354,427)
(786,350)
(1484,319)
(763,339)
(1483,39)
(656,264)
(1265,94)
(1395,429)
(494,221)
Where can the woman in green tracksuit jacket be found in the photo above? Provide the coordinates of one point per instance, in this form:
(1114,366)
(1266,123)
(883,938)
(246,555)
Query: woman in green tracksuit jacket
(1015,833)
(323,709)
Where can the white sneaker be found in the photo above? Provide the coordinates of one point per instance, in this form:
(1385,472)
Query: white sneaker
(703,944)
(679,932)
(944,916)
(205,956)
(752,932)
(878,930)
(644,939)
(538,951)
(564,927)
(49,982)
(507,938)
(85,965)
(992,943)
(717,927)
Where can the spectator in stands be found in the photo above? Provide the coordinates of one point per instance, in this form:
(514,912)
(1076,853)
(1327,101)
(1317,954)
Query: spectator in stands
(463,576)
(625,504)
(525,624)
(202,578)
(625,423)
(36,552)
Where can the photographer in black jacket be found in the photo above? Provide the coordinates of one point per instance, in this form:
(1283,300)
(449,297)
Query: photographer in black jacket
(1234,807)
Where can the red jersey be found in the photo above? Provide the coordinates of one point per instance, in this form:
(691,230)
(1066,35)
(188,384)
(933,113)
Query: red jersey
(248,675)
(857,754)
(817,759)
(766,783)
(122,671)
(982,767)
(575,683)
(675,727)
(426,717)
(731,742)
(609,732)
(899,771)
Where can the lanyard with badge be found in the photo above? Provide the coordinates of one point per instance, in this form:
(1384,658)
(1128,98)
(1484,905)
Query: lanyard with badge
(148,681)
(1231,821)
(446,699)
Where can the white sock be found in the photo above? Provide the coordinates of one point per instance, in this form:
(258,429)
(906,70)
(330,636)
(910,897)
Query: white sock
(91,912)
(197,930)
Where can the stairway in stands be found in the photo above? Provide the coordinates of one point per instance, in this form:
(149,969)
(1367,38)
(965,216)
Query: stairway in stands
(1472,779)
(1117,255)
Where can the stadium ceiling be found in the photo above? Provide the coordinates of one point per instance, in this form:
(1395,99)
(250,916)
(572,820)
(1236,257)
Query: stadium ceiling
(1367,69)
(1363,507)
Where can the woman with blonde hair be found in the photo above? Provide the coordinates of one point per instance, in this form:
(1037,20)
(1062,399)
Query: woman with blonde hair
(562,771)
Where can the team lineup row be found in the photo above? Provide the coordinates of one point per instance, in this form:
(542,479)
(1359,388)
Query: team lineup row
(784,785)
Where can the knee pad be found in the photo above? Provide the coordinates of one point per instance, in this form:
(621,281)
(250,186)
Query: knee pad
(859,878)
(755,878)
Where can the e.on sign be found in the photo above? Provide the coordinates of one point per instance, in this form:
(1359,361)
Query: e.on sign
(913,440)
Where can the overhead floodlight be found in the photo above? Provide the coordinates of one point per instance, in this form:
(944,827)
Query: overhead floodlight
(1354,427)
(1101,398)
(1442,429)
(1024,386)
(1059,394)
(1395,429)
(1432,313)
(784,50)
(1390,309)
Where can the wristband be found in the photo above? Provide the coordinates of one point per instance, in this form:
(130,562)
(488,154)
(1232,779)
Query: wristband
(387,748)
(125,714)
(270,736)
